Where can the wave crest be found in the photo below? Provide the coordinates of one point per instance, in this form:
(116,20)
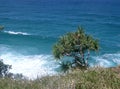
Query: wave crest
(16,33)
(31,66)
(107,60)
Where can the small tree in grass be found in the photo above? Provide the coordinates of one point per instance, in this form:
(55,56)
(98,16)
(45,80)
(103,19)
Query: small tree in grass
(76,45)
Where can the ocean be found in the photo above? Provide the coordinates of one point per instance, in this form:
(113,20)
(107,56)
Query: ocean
(32,27)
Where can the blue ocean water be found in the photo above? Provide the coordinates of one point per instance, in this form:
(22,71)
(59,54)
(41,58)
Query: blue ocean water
(33,26)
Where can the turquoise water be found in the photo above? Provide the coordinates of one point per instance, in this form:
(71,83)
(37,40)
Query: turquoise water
(33,26)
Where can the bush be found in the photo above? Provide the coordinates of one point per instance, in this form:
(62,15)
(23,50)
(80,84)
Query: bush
(4,69)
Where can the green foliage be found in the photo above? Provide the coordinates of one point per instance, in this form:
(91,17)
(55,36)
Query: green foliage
(65,66)
(76,45)
(94,78)
(4,69)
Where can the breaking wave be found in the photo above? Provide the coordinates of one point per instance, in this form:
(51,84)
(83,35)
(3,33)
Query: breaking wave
(16,33)
(106,60)
(31,66)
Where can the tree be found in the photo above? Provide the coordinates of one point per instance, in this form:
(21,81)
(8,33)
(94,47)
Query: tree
(4,69)
(76,45)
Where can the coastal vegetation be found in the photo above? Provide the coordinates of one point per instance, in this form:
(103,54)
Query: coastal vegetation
(76,47)
(92,78)
(4,69)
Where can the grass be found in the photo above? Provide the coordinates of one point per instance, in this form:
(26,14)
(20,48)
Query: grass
(93,78)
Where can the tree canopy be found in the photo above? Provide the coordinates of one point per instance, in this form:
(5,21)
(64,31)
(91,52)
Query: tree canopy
(76,45)
(4,69)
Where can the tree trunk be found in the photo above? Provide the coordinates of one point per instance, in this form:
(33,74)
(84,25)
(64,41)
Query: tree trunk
(88,55)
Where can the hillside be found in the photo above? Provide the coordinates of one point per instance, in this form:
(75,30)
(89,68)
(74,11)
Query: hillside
(93,78)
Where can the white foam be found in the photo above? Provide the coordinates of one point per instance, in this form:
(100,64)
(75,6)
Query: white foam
(31,66)
(107,60)
(16,33)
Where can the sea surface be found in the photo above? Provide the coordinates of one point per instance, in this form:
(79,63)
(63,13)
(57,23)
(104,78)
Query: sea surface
(33,26)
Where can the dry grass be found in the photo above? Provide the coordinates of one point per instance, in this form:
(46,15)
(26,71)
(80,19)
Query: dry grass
(93,78)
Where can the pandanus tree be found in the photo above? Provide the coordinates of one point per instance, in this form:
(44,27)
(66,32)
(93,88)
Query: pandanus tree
(76,45)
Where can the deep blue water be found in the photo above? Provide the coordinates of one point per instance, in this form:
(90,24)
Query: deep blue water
(33,26)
